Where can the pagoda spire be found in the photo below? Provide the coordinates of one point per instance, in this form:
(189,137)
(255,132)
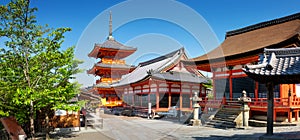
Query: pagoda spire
(110,37)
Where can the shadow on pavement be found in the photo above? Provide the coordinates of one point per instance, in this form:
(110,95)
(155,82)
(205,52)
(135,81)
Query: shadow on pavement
(255,136)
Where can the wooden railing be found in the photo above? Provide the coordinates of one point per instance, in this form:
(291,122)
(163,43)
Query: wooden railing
(210,103)
(278,102)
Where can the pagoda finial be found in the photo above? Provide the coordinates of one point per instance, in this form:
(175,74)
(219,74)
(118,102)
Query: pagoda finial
(110,37)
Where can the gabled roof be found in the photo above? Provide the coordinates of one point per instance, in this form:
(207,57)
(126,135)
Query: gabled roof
(145,69)
(277,65)
(254,37)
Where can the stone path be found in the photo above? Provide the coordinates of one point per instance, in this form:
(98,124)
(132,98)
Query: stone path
(135,128)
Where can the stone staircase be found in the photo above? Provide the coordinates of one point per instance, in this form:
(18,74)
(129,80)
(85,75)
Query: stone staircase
(94,120)
(228,116)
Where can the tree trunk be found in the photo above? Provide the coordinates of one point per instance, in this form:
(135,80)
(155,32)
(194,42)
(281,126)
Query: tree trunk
(47,125)
(32,132)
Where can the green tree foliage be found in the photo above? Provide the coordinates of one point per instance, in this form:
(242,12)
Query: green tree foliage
(34,69)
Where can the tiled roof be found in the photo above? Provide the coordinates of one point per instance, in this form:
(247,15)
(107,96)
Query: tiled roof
(144,70)
(113,44)
(113,66)
(253,38)
(179,76)
(103,85)
(277,65)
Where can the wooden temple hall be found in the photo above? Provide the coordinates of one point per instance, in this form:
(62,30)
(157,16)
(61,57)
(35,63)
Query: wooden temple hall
(246,46)
(163,81)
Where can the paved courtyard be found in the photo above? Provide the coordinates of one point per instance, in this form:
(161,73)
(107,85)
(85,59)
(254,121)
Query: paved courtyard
(136,128)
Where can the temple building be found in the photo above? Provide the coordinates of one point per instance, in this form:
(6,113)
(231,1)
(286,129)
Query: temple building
(163,81)
(111,67)
(246,46)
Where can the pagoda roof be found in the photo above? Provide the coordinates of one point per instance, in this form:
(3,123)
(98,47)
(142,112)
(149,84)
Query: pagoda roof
(119,66)
(252,38)
(157,68)
(103,85)
(277,66)
(111,45)
(109,66)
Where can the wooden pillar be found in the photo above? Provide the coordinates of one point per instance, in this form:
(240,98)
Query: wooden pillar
(290,116)
(256,90)
(132,98)
(191,95)
(169,92)
(270,113)
(230,82)
(296,115)
(180,97)
(157,96)
(214,84)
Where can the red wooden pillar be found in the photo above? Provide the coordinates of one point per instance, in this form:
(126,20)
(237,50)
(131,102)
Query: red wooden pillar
(132,98)
(290,116)
(274,115)
(149,94)
(191,95)
(157,96)
(230,82)
(214,85)
(256,90)
(180,97)
(296,115)
(169,92)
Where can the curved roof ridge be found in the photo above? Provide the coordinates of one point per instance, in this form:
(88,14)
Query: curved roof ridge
(171,54)
(263,24)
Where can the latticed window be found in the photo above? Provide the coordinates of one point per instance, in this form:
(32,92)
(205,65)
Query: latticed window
(185,100)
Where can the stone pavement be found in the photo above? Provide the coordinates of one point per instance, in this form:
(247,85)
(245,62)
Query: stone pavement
(135,128)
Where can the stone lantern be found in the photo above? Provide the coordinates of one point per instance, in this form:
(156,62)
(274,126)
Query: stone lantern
(244,100)
(195,99)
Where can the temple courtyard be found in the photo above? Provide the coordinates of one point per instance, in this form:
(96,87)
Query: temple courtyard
(136,128)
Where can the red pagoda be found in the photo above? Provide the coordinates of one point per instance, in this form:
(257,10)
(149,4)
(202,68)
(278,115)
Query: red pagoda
(110,68)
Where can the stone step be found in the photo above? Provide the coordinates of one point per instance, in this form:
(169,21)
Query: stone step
(221,122)
(226,115)
(221,126)
(224,119)
(231,108)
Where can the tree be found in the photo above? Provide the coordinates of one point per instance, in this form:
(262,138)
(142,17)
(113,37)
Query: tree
(35,71)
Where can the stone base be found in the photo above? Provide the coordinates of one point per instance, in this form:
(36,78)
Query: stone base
(195,122)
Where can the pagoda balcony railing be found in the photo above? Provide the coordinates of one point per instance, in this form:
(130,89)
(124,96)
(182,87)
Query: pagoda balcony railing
(107,80)
(112,61)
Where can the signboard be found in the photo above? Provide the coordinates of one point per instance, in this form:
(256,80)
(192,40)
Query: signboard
(60,112)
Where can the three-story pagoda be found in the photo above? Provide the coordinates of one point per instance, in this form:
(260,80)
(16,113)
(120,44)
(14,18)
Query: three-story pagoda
(111,67)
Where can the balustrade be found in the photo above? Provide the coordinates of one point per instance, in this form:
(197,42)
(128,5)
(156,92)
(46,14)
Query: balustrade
(278,102)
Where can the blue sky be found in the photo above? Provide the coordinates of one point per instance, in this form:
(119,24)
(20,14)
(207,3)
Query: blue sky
(197,25)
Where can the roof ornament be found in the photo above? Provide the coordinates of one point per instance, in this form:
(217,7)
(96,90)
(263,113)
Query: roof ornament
(110,37)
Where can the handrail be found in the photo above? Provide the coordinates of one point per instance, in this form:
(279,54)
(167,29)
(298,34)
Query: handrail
(278,102)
